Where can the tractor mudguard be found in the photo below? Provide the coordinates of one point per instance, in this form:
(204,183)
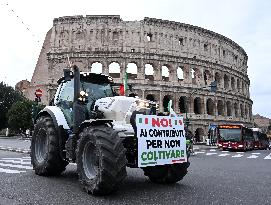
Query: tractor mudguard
(57,116)
(93,122)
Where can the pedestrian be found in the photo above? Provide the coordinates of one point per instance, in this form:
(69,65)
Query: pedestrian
(27,132)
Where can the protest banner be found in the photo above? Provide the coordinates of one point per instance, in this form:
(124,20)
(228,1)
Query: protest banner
(161,140)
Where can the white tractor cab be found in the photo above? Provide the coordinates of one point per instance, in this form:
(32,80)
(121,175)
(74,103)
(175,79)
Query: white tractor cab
(89,124)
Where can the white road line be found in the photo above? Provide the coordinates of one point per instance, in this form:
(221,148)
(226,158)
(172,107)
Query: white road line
(223,155)
(238,155)
(210,154)
(199,152)
(225,151)
(268,156)
(240,152)
(26,157)
(15,161)
(256,153)
(252,156)
(212,150)
(15,166)
(10,171)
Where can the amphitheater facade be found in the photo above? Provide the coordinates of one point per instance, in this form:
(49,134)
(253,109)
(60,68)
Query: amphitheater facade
(165,60)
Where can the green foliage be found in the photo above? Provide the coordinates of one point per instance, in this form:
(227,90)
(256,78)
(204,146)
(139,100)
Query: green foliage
(8,96)
(20,115)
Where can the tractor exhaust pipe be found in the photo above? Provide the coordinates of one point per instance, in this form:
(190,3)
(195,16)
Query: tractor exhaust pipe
(78,108)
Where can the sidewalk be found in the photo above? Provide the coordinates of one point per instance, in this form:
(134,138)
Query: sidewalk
(15,144)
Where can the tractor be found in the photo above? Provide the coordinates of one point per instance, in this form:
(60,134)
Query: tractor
(87,123)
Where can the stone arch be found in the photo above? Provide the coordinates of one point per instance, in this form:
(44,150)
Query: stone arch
(207,77)
(236,110)
(195,75)
(96,67)
(246,112)
(226,81)
(165,73)
(241,110)
(198,108)
(220,107)
(114,69)
(131,70)
(150,97)
(238,85)
(232,83)
(166,100)
(149,71)
(199,133)
(183,105)
(218,78)
(229,110)
(210,106)
(180,73)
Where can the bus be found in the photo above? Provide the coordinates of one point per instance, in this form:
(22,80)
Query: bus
(261,140)
(235,137)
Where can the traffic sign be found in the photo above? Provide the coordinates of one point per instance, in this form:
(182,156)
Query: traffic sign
(38,93)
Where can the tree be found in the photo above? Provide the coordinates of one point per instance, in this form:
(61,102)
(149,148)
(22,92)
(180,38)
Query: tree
(7,97)
(20,115)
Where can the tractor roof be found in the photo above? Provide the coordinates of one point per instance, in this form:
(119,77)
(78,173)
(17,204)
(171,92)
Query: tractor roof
(93,77)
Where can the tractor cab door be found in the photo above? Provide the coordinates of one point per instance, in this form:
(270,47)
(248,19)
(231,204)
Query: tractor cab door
(65,100)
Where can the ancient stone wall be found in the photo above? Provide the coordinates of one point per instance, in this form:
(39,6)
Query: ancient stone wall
(169,61)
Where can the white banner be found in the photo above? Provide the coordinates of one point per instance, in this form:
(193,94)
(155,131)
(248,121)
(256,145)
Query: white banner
(161,140)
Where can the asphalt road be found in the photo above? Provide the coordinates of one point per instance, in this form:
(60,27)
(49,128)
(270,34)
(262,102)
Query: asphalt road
(214,177)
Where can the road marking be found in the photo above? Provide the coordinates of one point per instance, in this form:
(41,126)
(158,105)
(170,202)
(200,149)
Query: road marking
(210,154)
(212,150)
(15,166)
(238,155)
(199,152)
(10,171)
(268,156)
(15,161)
(240,152)
(223,155)
(225,151)
(256,153)
(253,156)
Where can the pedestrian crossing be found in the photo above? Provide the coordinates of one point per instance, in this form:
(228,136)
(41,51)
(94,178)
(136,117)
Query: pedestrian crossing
(15,165)
(248,155)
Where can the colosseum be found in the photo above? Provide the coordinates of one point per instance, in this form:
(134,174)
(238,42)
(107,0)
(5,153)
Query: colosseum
(164,60)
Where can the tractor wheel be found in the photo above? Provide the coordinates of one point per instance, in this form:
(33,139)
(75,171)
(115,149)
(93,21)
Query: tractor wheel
(45,149)
(166,174)
(101,160)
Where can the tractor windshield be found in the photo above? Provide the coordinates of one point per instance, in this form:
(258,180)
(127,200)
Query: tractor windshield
(96,91)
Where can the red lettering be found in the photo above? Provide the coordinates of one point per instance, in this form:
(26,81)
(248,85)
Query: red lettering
(180,122)
(155,122)
(170,122)
(164,122)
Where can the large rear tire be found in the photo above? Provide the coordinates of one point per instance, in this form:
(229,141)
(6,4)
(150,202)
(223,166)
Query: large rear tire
(101,160)
(166,174)
(45,149)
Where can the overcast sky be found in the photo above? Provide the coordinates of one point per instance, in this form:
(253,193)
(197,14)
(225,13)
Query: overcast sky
(247,22)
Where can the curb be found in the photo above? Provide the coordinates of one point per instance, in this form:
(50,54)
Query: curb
(11,149)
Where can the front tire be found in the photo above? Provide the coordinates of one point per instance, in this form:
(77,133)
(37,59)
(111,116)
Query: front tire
(166,174)
(45,149)
(101,160)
